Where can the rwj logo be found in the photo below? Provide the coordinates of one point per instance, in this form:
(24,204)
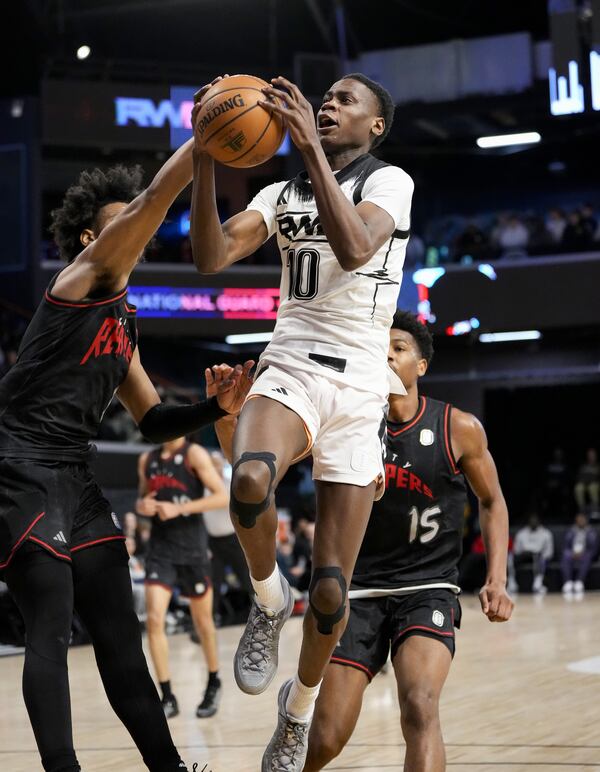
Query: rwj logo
(174,114)
(147,113)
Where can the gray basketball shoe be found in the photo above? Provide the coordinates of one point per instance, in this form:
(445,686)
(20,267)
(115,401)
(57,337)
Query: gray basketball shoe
(288,747)
(255,661)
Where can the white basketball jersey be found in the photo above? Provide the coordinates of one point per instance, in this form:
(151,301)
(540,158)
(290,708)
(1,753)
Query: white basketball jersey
(332,321)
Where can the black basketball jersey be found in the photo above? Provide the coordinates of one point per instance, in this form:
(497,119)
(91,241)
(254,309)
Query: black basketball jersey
(183,538)
(72,359)
(414,535)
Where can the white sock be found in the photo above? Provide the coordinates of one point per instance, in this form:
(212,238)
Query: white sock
(301,699)
(269,591)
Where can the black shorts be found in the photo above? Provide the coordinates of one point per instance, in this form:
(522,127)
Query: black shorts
(54,504)
(377,626)
(192,579)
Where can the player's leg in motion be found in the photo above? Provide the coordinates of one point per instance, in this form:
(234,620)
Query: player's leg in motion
(268,437)
(157,604)
(42,587)
(336,713)
(104,600)
(342,514)
(421,665)
(202,616)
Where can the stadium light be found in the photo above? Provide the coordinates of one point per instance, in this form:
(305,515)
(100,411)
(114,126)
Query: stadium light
(506,140)
(83,52)
(249,337)
(506,337)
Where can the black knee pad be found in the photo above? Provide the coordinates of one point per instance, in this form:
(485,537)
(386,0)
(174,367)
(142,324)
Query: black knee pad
(247,512)
(326,622)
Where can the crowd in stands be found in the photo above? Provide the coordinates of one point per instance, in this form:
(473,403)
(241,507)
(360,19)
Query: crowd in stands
(568,556)
(449,239)
(534,546)
(565,484)
(456,239)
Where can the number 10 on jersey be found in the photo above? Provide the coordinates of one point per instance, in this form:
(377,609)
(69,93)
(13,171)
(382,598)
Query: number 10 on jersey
(303,278)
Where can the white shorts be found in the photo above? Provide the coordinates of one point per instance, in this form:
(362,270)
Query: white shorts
(345,426)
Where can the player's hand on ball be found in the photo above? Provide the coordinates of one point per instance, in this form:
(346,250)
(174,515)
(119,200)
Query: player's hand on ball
(146,505)
(230,385)
(295,110)
(166,510)
(198,97)
(496,603)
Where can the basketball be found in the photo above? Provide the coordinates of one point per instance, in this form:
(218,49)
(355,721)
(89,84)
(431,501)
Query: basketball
(233,128)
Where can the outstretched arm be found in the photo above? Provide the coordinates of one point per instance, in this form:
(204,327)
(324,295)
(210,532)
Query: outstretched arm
(475,460)
(354,233)
(161,423)
(216,246)
(109,260)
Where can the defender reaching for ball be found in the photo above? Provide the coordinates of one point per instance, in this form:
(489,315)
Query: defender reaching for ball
(404,589)
(59,542)
(322,382)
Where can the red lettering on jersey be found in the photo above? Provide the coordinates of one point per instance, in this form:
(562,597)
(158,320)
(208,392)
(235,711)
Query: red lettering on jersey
(159,481)
(414,483)
(111,338)
(101,336)
(402,480)
(406,479)
(390,473)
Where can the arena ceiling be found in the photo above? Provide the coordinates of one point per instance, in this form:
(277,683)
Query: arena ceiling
(262,34)
(188,41)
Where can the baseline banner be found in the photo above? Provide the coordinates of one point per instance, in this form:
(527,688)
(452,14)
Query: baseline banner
(205,302)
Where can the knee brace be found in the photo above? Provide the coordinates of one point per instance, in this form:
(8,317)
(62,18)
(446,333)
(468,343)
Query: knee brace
(247,512)
(326,622)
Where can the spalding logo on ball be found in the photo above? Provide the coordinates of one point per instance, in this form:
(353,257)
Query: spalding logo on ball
(233,128)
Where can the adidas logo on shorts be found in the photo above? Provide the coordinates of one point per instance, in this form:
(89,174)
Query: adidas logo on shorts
(60,537)
(280,389)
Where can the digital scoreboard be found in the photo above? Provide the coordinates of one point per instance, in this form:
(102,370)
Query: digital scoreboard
(574,77)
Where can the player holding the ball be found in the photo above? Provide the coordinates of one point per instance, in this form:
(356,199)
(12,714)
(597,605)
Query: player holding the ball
(321,385)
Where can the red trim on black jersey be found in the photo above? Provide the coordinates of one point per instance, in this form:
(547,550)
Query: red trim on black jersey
(422,627)
(50,549)
(351,663)
(85,303)
(20,541)
(447,442)
(415,420)
(130,309)
(97,541)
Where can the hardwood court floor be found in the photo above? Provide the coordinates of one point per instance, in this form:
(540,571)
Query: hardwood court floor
(511,702)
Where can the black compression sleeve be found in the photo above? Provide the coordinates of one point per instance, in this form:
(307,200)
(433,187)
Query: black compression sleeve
(168,422)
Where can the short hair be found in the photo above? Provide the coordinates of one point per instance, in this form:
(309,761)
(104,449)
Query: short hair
(384,100)
(82,202)
(404,320)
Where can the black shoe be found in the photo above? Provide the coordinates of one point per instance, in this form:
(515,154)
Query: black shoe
(210,704)
(170,706)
